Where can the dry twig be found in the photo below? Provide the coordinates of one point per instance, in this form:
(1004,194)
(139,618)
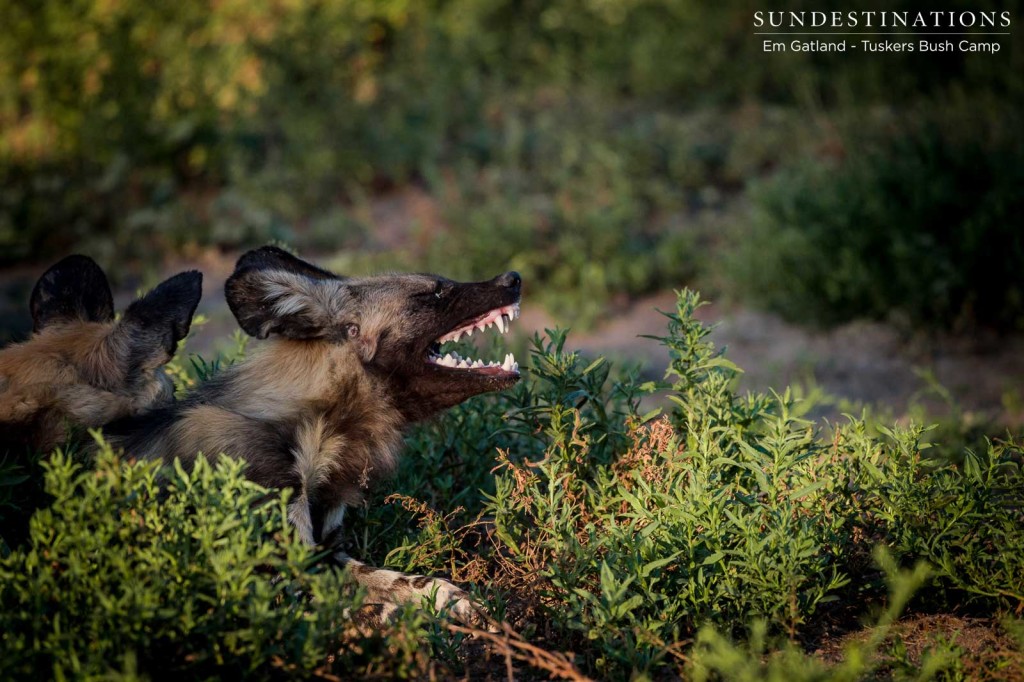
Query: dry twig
(511,645)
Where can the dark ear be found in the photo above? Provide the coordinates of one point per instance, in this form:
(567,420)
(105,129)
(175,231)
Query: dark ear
(273,292)
(71,290)
(159,320)
(273,258)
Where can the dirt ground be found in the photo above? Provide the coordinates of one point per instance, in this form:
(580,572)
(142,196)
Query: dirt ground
(864,362)
(985,650)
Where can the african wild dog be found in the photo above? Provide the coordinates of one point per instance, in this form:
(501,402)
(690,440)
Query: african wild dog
(81,367)
(320,407)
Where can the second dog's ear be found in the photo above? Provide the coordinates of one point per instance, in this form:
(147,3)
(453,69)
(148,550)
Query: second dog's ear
(74,289)
(273,292)
(159,320)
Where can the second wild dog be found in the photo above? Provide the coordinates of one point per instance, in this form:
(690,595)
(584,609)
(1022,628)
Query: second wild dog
(82,368)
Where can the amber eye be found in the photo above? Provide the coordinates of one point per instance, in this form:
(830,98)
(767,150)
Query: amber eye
(352,330)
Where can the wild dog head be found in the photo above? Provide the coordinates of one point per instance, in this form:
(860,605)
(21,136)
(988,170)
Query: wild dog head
(80,366)
(394,324)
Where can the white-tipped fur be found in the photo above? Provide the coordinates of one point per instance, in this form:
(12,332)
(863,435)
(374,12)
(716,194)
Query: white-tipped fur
(316,453)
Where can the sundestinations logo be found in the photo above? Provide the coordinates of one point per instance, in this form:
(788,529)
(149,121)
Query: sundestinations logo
(883,31)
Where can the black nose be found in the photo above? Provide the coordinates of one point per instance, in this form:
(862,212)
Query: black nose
(511,280)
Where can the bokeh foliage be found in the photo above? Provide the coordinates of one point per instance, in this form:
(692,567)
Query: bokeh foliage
(921,225)
(584,137)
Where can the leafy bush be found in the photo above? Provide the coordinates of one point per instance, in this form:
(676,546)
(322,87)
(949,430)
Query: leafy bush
(143,571)
(921,226)
(625,534)
(709,542)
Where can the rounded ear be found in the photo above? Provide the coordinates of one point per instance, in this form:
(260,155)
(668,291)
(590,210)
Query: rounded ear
(274,258)
(74,289)
(159,320)
(273,292)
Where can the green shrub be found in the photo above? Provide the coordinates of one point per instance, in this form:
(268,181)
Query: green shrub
(920,226)
(709,542)
(21,493)
(627,534)
(152,572)
(714,656)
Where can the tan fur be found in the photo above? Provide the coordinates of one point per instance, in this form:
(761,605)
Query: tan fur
(340,425)
(317,452)
(283,376)
(70,372)
(83,368)
(207,430)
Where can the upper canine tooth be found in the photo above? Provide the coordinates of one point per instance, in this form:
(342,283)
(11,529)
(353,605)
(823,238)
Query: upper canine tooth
(500,322)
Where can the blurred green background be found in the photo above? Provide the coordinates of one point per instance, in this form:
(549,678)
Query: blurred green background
(607,149)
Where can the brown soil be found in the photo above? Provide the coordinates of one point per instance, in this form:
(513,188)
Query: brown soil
(864,362)
(988,653)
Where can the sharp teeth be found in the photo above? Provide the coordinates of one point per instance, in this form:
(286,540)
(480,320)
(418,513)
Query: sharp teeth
(500,322)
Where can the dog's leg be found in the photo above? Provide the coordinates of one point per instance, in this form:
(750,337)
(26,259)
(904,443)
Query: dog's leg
(387,590)
(316,457)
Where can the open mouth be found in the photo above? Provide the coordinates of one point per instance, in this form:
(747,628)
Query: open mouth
(501,318)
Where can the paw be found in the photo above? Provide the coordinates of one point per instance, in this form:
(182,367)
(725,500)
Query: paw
(458,604)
